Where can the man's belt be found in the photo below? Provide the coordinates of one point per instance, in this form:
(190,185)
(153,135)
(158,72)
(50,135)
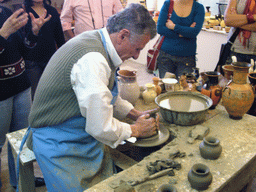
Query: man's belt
(12,70)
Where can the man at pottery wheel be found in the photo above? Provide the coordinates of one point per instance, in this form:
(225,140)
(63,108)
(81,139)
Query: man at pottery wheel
(76,103)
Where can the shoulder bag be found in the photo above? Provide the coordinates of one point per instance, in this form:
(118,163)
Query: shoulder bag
(225,51)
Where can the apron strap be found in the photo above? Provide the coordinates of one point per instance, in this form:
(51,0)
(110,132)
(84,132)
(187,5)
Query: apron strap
(114,90)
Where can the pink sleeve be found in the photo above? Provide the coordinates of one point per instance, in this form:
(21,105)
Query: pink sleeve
(117,6)
(66,16)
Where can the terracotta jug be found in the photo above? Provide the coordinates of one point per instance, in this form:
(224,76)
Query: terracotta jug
(128,86)
(210,148)
(156,81)
(211,88)
(238,95)
(199,177)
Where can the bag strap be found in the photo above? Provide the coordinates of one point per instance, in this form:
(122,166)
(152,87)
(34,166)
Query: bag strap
(233,37)
(170,7)
(160,41)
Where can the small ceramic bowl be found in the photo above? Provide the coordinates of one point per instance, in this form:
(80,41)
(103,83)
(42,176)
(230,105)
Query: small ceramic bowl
(169,84)
(252,78)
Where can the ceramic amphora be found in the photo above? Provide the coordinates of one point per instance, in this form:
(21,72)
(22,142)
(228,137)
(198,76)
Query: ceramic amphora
(128,86)
(199,177)
(210,148)
(238,95)
(211,88)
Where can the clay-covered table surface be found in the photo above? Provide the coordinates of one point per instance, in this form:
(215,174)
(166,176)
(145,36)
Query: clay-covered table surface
(231,171)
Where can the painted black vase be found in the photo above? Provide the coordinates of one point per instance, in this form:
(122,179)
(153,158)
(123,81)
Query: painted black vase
(211,88)
(199,177)
(210,148)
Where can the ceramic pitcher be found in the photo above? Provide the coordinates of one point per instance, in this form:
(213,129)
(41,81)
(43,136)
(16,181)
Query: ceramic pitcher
(128,85)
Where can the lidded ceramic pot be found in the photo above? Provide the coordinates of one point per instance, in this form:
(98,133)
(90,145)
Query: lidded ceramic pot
(199,177)
(211,88)
(238,95)
(128,86)
(149,94)
(210,148)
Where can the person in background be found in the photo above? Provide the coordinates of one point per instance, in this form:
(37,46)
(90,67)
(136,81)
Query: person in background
(87,15)
(242,14)
(13,5)
(50,38)
(76,107)
(178,51)
(15,101)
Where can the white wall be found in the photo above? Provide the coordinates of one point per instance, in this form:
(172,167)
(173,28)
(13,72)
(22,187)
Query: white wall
(214,6)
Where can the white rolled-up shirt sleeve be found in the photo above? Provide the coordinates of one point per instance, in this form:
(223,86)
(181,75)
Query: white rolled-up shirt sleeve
(90,78)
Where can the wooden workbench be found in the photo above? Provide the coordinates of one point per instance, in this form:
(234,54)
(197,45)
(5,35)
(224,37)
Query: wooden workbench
(231,172)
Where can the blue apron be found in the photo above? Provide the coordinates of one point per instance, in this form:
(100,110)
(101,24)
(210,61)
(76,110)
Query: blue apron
(69,158)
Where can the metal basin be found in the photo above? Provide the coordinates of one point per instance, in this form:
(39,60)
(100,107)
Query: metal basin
(183,108)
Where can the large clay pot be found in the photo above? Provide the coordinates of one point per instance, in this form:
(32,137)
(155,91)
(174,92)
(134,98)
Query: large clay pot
(238,95)
(210,148)
(199,177)
(211,88)
(128,86)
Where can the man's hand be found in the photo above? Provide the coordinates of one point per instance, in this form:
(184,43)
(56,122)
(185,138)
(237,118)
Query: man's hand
(144,127)
(37,23)
(16,21)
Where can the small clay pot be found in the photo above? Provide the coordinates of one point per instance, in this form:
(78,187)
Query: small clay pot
(210,148)
(149,94)
(167,188)
(199,177)
(156,81)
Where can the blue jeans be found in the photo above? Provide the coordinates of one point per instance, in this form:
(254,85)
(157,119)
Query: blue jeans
(175,64)
(34,71)
(244,57)
(14,116)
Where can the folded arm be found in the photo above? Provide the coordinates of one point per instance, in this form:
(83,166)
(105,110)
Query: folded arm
(233,19)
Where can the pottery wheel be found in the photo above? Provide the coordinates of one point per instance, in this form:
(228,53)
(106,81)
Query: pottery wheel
(155,140)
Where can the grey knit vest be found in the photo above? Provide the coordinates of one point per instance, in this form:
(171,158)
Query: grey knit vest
(55,100)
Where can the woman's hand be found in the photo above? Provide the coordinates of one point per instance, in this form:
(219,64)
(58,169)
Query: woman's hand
(169,24)
(37,23)
(16,21)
